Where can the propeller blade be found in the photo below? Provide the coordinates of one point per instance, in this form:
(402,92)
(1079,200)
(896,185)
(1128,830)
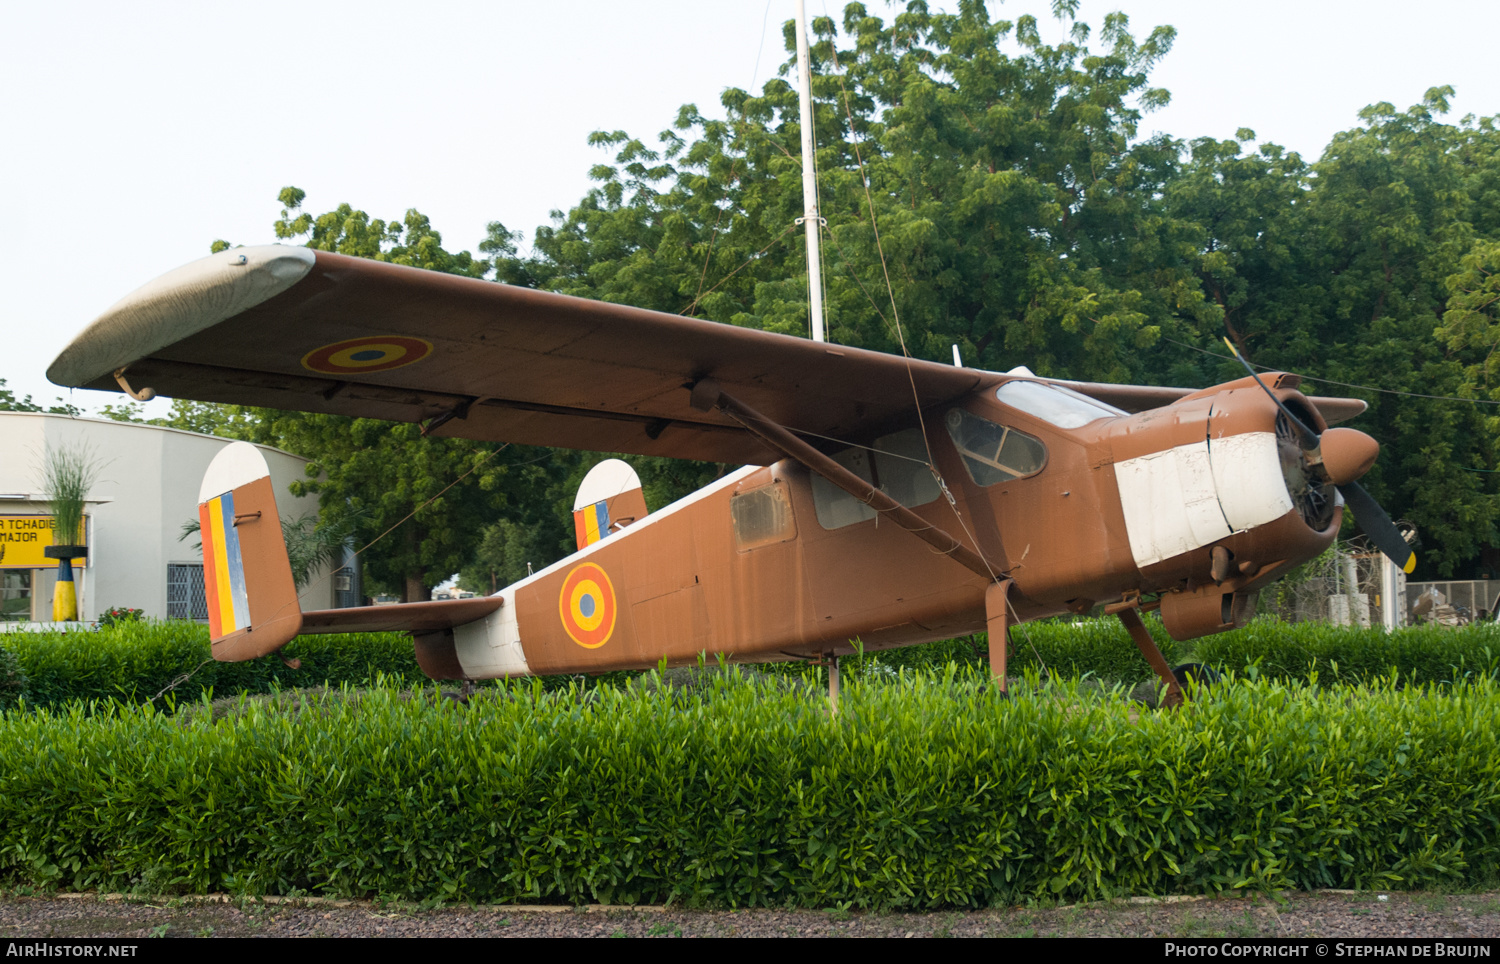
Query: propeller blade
(1306,437)
(1378,526)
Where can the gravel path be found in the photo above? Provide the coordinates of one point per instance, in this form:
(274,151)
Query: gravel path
(1330,915)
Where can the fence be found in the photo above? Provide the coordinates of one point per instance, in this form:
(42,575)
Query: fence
(1475,595)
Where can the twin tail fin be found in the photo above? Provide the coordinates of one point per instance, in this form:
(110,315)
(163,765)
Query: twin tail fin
(609,499)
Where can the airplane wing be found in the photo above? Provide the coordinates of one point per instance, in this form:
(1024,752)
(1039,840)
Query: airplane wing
(1138,398)
(292,328)
(296,329)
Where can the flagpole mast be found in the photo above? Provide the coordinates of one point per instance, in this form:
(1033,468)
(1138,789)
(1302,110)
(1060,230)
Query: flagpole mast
(810,219)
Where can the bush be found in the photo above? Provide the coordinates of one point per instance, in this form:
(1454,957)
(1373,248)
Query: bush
(13,687)
(134,660)
(119,614)
(1329,654)
(931,793)
(1062,648)
(1288,651)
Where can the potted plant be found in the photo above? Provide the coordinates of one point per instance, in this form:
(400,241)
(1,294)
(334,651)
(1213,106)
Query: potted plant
(67,474)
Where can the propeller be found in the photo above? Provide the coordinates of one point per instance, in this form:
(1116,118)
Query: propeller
(1350,454)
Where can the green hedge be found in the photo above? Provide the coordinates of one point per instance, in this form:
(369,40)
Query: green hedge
(925,794)
(12,680)
(1100,648)
(133,661)
(1302,651)
(1330,654)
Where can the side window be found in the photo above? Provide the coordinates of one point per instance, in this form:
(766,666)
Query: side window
(762,516)
(895,463)
(994,453)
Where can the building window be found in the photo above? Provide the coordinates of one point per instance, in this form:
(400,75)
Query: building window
(15,595)
(185,596)
(346,587)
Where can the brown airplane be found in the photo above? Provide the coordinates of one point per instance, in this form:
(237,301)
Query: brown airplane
(883,499)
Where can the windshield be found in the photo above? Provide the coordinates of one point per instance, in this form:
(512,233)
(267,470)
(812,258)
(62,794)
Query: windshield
(1062,407)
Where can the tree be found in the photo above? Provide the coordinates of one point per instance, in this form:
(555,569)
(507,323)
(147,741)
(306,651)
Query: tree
(420,504)
(1341,270)
(507,554)
(987,188)
(1014,216)
(10,403)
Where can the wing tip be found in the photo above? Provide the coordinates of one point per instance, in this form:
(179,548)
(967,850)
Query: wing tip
(176,305)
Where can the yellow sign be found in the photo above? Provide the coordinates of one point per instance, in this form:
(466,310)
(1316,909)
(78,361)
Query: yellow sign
(22,539)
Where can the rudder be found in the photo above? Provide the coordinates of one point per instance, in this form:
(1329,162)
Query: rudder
(609,499)
(247,577)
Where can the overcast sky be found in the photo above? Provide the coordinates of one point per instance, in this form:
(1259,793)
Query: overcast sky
(135,134)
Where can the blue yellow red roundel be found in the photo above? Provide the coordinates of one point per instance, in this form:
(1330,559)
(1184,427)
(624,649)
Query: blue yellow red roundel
(587,605)
(361,356)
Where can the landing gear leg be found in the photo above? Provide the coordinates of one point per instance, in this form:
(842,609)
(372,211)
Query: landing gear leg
(1147,646)
(997,615)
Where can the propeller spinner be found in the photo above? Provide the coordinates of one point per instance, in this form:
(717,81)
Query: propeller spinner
(1338,457)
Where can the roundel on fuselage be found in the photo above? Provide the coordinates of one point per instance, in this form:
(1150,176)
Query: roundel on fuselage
(586,604)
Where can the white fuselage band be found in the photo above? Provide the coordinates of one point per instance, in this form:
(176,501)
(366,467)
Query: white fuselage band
(1187,497)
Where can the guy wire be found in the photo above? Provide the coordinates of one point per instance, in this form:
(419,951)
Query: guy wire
(359,552)
(895,312)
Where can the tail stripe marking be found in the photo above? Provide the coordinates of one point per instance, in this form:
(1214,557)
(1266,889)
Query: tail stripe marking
(229,567)
(591,523)
(210,569)
(236,565)
(221,567)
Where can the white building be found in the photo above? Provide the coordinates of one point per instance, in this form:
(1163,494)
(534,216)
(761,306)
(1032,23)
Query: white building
(146,489)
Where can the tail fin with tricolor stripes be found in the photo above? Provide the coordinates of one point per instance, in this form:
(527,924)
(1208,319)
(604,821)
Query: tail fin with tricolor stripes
(247,577)
(609,499)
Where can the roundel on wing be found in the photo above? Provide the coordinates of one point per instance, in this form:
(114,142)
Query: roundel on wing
(361,356)
(586,604)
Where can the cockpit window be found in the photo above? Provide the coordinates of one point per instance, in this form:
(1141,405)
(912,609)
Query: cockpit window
(896,464)
(994,453)
(1062,407)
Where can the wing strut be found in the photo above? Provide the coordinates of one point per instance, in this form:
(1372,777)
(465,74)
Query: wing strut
(707,395)
(1149,649)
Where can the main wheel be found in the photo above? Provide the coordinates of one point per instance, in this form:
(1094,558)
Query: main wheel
(1195,674)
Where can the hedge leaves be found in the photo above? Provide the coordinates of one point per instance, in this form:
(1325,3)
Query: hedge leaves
(927,791)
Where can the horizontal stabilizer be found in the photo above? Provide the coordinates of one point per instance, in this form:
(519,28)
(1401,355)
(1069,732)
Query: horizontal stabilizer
(416,618)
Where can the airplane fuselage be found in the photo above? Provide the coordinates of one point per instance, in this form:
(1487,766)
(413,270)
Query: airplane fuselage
(1078,507)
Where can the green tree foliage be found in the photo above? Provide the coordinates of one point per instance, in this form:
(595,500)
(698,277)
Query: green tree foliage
(507,553)
(984,183)
(1014,214)
(10,403)
(1472,322)
(1342,269)
(1017,214)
